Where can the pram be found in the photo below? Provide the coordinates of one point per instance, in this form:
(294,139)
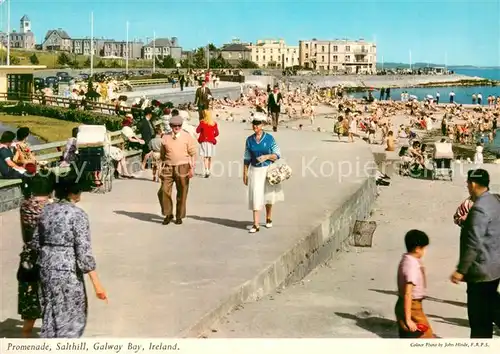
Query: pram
(442,163)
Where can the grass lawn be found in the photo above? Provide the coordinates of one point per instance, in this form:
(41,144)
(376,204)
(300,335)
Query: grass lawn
(48,129)
(49,59)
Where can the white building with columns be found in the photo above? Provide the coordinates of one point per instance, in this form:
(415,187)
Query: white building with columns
(274,53)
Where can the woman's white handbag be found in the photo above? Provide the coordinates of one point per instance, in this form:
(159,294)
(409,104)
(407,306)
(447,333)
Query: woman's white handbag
(278,172)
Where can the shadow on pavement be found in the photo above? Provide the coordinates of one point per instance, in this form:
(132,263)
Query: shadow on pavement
(449,320)
(429,298)
(140,216)
(236,224)
(382,327)
(11,328)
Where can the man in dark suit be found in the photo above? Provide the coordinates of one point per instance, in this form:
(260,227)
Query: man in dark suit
(202,98)
(146,130)
(479,263)
(274,106)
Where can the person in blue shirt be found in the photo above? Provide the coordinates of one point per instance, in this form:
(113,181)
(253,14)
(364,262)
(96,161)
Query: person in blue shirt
(261,151)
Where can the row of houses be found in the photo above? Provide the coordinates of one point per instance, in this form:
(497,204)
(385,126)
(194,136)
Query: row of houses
(60,40)
(339,55)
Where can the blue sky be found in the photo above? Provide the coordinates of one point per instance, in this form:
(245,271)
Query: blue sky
(467,30)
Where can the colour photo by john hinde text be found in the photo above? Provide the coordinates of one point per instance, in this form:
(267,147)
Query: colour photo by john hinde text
(249,170)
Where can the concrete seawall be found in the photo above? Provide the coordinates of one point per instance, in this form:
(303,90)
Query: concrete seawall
(331,236)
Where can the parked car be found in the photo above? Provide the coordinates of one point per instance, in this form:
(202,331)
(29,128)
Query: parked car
(62,74)
(52,82)
(39,83)
(257,72)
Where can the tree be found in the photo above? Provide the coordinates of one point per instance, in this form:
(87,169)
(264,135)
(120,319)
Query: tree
(14,60)
(219,63)
(248,64)
(115,64)
(185,63)
(169,62)
(200,58)
(34,59)
(212,47)
(100,64)
(63,59)
(87,63)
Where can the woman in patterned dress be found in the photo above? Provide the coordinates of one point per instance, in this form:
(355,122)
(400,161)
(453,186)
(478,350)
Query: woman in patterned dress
(62,238)
(37,192)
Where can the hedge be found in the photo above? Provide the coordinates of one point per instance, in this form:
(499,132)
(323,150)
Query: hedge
(112,123)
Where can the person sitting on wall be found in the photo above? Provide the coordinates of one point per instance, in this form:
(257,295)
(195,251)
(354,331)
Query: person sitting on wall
(8,169)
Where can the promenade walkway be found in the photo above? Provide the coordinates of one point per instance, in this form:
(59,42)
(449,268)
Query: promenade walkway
(162,280)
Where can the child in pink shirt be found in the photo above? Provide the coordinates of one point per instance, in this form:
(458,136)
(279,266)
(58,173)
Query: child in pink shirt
(410,316)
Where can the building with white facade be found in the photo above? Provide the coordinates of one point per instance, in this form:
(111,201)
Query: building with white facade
(338,56)
(274,53)
(24,39)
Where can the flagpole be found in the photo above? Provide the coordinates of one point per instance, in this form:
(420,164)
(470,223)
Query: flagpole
(8,32)
(154,51)
(91,44)
(128,51)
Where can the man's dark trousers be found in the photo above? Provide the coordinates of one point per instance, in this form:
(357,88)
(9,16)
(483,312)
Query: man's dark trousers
(483,308)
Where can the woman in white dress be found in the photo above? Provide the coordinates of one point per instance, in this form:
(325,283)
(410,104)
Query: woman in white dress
(261,151)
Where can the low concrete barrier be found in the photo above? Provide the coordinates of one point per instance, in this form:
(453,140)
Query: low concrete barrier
(332,235)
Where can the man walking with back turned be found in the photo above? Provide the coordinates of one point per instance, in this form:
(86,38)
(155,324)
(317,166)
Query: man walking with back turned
(274,102)
(479,264)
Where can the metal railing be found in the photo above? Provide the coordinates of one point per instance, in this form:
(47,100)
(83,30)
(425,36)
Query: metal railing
(65,102)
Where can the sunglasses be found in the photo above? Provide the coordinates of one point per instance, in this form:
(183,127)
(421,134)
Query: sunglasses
(175,125)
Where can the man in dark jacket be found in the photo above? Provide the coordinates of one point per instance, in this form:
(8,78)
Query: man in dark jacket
(146,130)
(274,106)
(479,264)
(202,98)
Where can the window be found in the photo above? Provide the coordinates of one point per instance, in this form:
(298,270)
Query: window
(271,58)
(323,48)
(335,68)
(322,58)
(335,48)
(307,56)
(307,46)
(347,58)
(315,46)
(263,57)
(256,58)
(335,58)
(347,48)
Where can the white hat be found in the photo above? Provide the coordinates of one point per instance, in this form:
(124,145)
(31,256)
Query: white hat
(260,117)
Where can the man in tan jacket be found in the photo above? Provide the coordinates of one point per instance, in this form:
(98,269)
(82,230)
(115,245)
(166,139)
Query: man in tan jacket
(178,157)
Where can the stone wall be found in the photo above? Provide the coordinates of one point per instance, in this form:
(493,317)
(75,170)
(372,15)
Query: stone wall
(10,196)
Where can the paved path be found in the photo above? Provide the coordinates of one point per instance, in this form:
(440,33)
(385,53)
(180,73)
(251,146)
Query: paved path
(163,279)
(353,296)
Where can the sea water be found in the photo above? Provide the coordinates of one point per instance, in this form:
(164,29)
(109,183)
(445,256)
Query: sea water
(463,95)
